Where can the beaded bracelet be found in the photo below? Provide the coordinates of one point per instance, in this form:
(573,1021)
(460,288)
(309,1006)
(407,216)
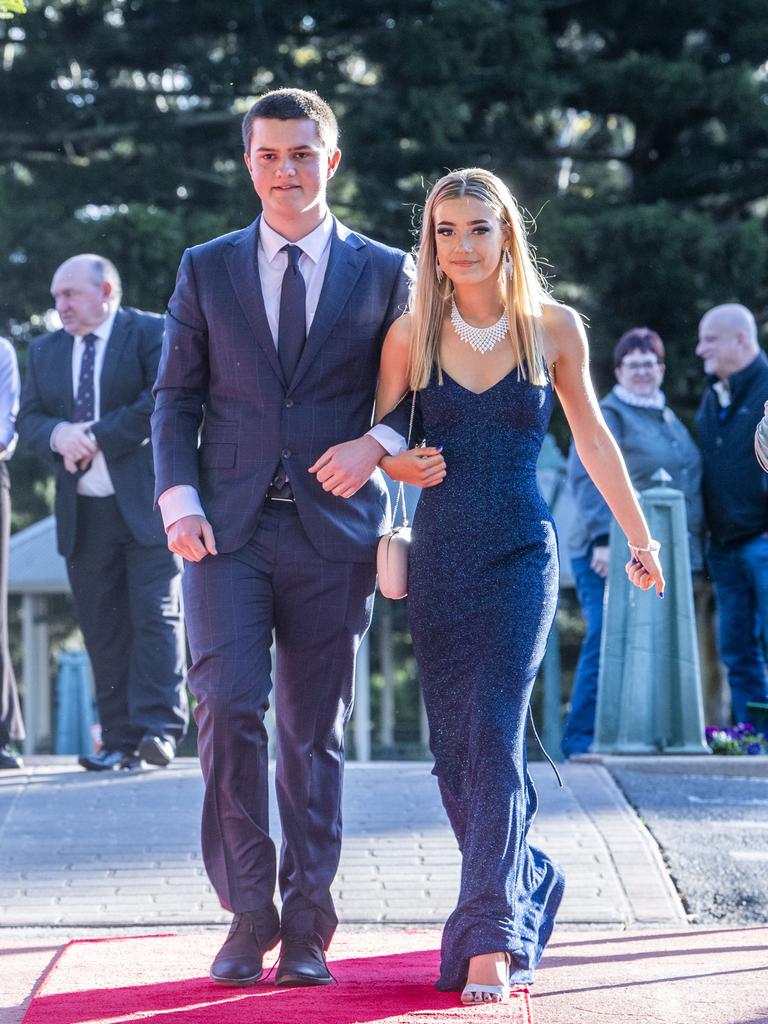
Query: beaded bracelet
(653,547)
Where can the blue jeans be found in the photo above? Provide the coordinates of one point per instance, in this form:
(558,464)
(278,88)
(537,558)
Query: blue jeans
(580,726)
(740,578)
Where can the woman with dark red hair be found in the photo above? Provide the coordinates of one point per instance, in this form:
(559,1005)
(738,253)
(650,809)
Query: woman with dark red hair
(650,437)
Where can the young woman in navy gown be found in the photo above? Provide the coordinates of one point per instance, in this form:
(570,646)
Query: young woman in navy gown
(487,350)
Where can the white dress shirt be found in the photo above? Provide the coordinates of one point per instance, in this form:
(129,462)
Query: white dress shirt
(96,481)
(183,499)
(313,263)
(9,399)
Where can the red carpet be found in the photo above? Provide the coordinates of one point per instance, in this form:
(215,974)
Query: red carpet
(384,978)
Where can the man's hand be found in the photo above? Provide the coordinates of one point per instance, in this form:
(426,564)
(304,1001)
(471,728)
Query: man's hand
(192,538)
(422,467)
(600,560)
(73,443)
(77,467)
(344,468)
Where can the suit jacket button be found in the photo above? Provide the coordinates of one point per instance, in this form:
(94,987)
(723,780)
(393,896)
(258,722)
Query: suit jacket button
(286,453)
(288,403)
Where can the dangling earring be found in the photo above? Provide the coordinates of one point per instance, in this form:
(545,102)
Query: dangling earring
(508,266)
(439,271)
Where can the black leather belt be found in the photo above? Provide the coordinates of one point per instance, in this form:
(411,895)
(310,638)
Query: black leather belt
(280,491)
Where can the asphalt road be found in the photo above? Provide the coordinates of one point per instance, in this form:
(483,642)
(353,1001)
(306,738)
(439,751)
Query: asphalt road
(712,827)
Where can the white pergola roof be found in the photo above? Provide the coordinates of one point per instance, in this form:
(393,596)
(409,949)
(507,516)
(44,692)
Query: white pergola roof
(34,565)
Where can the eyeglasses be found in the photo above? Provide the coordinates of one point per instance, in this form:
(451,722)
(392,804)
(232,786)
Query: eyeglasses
(639,365)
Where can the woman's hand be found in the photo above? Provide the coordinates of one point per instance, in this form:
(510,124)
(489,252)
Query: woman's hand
(422,467)
(644,570)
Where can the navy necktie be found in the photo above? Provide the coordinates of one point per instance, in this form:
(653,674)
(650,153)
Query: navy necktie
(292,322)
(85,403)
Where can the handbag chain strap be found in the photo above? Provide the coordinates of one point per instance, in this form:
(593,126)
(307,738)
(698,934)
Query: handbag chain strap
(400,500)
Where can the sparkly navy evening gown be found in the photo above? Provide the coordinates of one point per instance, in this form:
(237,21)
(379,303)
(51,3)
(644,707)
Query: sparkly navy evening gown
(483,581)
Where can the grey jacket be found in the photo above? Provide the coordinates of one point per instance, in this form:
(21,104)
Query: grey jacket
(649,439)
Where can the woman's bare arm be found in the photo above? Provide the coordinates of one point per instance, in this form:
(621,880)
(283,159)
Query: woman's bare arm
(423,467)
(567,350)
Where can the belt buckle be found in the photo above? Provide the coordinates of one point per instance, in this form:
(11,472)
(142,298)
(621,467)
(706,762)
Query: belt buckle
(272,496)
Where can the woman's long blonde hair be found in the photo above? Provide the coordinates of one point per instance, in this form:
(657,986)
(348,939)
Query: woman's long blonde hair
(525,288)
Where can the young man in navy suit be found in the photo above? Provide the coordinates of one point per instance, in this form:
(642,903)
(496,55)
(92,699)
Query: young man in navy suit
(271,356)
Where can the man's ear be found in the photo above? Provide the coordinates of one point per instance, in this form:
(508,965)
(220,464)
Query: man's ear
(333,162)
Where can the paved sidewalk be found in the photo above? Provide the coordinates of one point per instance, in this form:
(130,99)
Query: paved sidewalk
(80,849)
(90,852)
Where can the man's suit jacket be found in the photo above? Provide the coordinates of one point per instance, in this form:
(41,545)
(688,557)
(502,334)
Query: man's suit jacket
(122,431)
(220,378)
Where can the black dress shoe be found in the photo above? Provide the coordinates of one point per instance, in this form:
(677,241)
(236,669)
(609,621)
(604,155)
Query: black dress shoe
(8,759)
(132,763)
(105,761)
(239,961)
(157,750)
(302,961)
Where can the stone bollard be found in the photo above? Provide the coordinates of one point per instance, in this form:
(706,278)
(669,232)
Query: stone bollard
(74,693)
(649,688)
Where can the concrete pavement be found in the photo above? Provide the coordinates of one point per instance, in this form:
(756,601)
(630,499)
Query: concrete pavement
(80,849)
(84,854)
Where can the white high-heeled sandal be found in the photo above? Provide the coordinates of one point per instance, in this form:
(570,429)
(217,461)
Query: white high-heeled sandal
(475,993)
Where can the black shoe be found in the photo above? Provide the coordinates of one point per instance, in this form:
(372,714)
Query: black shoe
(302,961)
(8,759)
(132,763)
(239,961)
(157,750)
(105,761)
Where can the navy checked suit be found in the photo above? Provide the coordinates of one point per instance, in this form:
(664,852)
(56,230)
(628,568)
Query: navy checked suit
(125,583)
(305,571)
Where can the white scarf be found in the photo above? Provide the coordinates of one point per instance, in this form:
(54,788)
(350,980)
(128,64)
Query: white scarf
(657,401)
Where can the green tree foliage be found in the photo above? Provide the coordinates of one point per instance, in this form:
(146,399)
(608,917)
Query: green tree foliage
(636,135)
(638,143)
(122,118)
(662,211)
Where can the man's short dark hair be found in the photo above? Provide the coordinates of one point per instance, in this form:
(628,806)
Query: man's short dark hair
(293,105)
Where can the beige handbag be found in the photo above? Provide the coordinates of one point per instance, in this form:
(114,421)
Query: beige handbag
(392,551)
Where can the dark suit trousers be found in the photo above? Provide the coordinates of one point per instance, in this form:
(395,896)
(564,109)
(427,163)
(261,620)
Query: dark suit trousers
(128,602)
(319,611)
(11,724)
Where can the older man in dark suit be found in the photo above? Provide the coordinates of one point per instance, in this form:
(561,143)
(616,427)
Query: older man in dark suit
(272,346)
(85,404)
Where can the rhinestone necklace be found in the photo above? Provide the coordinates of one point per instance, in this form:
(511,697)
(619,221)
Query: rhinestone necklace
(481,339)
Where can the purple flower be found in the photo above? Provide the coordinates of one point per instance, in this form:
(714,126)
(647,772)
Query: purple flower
(754,748)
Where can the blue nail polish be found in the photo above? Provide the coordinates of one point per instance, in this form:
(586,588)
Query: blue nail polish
(661,595)
(439,447)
